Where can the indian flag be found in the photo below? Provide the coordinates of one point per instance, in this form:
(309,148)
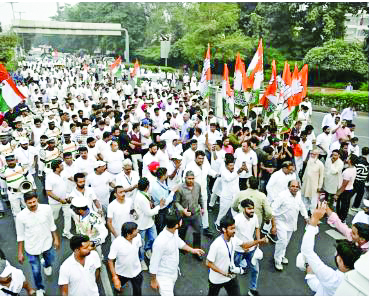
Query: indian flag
(136,70)
(206,74)
(10,96)
(227,94)
(116,66)
(269,100)
(255,74)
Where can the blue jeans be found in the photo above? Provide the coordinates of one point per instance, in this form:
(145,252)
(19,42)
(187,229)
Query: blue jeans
(239,257)
(35,262)
(147,238)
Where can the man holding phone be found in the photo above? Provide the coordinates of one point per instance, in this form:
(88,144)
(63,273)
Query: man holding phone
(246,158)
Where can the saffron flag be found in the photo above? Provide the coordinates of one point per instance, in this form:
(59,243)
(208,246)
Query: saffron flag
(206,74)
(240,82)
(255,74)
(227,94)
(269,99)
(10,94)
(136,70)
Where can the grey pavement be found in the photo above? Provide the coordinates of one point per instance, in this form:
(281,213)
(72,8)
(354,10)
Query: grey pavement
(194,278)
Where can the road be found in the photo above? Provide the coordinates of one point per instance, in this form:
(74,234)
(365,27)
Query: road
(194,278)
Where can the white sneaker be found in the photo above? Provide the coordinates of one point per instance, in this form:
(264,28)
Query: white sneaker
(331,225)
(40,293)
(278,266)
(148,253)
(67,235)
(284,261)
(48,271)
(144,267)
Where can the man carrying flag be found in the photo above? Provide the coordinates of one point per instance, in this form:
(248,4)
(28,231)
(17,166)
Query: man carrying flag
(115,68)
(10,96)
(206,74)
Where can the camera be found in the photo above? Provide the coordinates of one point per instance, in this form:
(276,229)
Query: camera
(236,270)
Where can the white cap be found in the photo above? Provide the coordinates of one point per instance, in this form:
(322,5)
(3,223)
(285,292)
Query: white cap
(99,163)
(79,202)
(18,119)
(67,131)
(23,140)
(166,126)
(177,156)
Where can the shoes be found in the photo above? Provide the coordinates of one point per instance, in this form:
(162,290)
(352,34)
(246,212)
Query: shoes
(67,235)
(272,237)
(253,293)
(148,253)
(40,293)
(278,266)
(48,271)
(208,233)
(144,267)
(284,261)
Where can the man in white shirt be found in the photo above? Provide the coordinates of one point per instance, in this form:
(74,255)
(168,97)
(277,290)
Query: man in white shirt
(285,210)
(246,227)
(279,180)
(245,155)
(189,154)
(329,119)
(348,114)
(85,163)
(321,278)
(323,141)
(128,179)
(149,158)
(56,189)
(36,234)
(164,262)
(26,155)
(79,273)
(220,261)
(123,259)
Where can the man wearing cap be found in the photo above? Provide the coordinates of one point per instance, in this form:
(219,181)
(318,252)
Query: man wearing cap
(36,234)
(19,131)
(12,280)
(56,189)
(26,155)
(49,154)
(101,181)
(53,131)
(329,119)
(89,222)
(14,174)
(68,145)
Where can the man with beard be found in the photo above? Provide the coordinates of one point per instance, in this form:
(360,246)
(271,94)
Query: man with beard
(49,154)
(149,158)
(52,131)
(285,210)
(26,155)
(313,179)
(321,278)
(79,273)
(246,227)
(19,131)
(68,145)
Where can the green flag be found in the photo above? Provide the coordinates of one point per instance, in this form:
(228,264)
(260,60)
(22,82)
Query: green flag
(3,106)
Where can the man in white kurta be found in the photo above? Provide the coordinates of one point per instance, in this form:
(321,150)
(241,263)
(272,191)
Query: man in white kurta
(285,209)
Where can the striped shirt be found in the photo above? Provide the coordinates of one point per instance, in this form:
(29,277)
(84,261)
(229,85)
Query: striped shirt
(362,169)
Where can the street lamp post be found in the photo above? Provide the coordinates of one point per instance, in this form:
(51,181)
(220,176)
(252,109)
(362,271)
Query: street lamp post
(126,55)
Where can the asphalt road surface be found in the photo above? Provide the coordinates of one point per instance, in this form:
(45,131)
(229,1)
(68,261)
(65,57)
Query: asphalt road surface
(194,278)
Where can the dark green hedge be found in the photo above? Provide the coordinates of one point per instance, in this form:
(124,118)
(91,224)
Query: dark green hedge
(341,100)
(154,69)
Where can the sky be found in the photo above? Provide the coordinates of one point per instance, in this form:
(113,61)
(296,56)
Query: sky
(38,11)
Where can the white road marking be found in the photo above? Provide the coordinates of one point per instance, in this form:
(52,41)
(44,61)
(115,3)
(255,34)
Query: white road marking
(335,234)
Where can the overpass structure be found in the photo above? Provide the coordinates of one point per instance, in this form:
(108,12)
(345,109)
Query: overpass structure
(70,28)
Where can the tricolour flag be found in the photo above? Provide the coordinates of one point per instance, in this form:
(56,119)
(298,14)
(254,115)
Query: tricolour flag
(269,99)
(240,78)
(289,112)
(227,94)
(206,74)
(115,67)
(136,70)
(10,95)
(255,74)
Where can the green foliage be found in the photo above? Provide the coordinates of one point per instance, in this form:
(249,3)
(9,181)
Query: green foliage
(338,55)
(341,100)
(153,68)
(7,55)
(335,85)
(364,86)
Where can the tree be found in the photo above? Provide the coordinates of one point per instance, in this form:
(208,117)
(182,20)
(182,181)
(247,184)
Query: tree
(8,42)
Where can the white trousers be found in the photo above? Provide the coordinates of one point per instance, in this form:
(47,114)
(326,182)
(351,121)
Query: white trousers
(16,201)
(282,243)
(205,222)
(310,202)
(166,285)
(225,204)
(66,213)
(135,158)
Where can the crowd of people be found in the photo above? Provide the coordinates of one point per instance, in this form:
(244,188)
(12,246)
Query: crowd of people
(135,164)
